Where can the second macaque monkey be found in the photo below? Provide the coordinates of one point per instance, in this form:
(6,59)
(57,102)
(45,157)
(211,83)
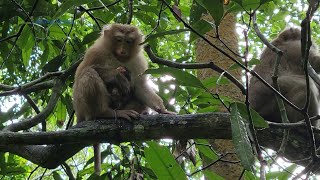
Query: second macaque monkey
(291,79)
(118,46)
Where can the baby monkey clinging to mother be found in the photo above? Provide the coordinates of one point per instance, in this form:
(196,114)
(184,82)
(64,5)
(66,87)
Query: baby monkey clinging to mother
(291,79)
(118,46)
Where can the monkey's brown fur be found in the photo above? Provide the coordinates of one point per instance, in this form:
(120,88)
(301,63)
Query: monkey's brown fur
(118,45)
(291,79)
(118,84)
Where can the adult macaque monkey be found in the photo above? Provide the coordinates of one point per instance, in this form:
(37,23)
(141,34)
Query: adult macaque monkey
(118,46)
(292,81)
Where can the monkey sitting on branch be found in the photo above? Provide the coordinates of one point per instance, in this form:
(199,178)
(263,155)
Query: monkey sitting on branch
(291,79)
(118,46)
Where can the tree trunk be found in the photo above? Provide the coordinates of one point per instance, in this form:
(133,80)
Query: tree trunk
(205,53)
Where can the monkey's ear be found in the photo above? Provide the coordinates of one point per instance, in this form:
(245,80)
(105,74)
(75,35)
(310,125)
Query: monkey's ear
(106,29)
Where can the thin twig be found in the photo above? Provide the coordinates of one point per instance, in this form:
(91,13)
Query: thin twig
(210,65)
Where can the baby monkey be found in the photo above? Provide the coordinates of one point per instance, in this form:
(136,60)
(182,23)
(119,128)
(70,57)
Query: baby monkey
(118,46)
(118,84)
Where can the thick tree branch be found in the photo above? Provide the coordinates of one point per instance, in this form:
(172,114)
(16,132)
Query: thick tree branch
(213,125)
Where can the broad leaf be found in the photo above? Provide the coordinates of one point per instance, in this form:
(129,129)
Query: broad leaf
(258,121)
(91,37)
(54,64)
(196,12)
(164,33)
(206,150)
(162,162)
(215,8)
(182,77)
(210,175)
(26,43)
(282,175)
(240,138)
(68,5)
(201,27)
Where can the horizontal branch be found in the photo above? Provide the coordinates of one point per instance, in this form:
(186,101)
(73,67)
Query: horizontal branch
(147,127)
(64,144)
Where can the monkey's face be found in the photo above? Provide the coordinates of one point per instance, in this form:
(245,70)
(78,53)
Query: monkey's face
(125,41)
(122,47)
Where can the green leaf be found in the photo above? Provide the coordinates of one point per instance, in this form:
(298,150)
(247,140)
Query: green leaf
(282,175)
(182,77)
(26,43)
(162,162)
(213,81)
(68,5)
(215,8)
(250,176)
(233,8)
(208,109)
(54,64)
(196,12)
(201,27)
(91,37)
(210,175)
(264,1)
(3,165)
(250,4)
(206,150)
(56,176)
(148,8)
(145,18)
(258,121)
(61,113)
(164,33)
(240,138)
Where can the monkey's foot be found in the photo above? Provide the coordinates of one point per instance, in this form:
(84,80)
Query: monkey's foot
(163,111)
(127,114)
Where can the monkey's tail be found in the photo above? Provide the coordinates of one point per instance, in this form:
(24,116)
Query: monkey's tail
(97,158)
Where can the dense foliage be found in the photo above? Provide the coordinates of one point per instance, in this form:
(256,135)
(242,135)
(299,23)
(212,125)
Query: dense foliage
(41,40)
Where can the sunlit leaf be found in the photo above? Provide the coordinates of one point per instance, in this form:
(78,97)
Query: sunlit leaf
(56,176)
(162,162)
(282,175)
(182,77)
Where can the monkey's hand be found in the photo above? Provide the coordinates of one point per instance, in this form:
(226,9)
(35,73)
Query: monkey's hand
(163,111)
(127,114)
(122,69)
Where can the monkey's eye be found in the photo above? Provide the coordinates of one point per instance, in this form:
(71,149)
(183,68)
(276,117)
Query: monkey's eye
(119,39)
(129,41)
